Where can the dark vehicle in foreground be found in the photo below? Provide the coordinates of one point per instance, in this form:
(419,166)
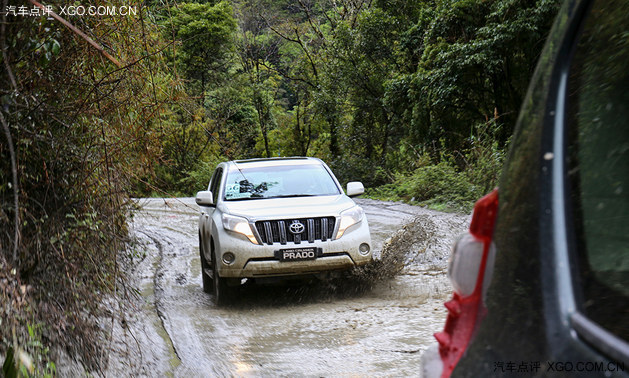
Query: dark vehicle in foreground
(541,282)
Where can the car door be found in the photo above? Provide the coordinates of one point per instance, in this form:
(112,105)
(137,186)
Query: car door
(206,222)
(558,304)
(597,136)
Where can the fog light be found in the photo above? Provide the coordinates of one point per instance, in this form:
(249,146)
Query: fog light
(228,258)
(364,249)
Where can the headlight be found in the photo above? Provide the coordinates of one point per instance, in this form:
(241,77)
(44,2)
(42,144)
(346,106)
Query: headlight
(349,218)
(239,225)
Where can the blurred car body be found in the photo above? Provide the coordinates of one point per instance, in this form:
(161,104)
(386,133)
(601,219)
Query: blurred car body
(557,301)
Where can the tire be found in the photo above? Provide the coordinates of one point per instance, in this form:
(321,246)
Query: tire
(221,290)
(208,284)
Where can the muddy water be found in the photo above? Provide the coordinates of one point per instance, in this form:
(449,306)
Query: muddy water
(373,322)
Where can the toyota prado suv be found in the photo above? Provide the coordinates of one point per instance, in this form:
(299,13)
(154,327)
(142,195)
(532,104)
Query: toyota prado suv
(266,218)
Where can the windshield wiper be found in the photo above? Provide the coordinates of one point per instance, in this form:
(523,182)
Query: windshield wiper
(294,195)
(281,196)
(245,198)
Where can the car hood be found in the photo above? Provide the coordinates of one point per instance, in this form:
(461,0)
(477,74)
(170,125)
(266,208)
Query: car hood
(294,207)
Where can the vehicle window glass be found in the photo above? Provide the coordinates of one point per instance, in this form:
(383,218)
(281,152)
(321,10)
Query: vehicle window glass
(598,127)
(211,184)
(216,180)
(279,181)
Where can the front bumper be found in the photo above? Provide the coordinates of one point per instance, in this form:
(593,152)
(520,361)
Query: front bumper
(252,260)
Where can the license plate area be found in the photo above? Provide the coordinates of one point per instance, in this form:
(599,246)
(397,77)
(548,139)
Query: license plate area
(298,254)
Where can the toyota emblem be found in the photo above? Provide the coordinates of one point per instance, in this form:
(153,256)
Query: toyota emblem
(296,227)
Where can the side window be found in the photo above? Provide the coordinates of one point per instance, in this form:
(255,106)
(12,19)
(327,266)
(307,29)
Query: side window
(209,186)
(598,131)
(215,183)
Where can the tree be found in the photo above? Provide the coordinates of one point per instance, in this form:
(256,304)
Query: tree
(474,62)
(257,50)
(82,130)
(204,34)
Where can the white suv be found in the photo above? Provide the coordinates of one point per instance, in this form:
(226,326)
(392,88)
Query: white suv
(278,217)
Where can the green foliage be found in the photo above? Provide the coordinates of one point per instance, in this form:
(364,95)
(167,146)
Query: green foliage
(371,86)
(475,59)
(31,360)
(82,131)
(484,158)
(234,118)
(439,186)
(204,33)
(440,182)
(198,178)
(448,185)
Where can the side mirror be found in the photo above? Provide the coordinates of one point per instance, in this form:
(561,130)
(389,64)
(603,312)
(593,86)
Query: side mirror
(355,188)
(205,198)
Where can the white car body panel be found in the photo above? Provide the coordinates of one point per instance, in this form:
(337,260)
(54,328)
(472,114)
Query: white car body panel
(285,208)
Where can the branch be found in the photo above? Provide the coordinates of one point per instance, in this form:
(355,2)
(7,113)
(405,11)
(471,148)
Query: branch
(314,28)
(4,47)
(79,33)
(16,202)
(300,43)
(287,76)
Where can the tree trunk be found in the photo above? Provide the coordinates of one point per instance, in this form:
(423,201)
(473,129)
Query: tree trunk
(334,146)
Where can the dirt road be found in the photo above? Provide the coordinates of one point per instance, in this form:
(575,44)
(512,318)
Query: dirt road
(335,328)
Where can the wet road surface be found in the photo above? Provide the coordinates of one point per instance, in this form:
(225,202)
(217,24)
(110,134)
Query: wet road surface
(337,328)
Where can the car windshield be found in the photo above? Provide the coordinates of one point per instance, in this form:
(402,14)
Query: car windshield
(279,181)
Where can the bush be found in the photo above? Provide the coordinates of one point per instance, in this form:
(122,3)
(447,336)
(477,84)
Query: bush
(445,185)
(76,129)
(355,168)
(485,157)
(438,186)
(440,182)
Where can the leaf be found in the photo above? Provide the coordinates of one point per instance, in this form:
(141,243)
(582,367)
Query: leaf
(8,368)
(55,47)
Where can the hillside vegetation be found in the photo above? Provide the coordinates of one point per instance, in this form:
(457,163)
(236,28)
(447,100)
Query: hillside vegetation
(417,99)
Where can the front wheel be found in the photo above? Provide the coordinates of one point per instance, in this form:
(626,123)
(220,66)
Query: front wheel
(221,290)
(208,286)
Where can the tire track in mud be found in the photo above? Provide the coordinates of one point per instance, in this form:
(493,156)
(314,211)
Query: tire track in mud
(158,296)
(174,238)
(177,290)
(143,346)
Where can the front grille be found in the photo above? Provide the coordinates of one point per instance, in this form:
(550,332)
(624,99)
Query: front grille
(279,231)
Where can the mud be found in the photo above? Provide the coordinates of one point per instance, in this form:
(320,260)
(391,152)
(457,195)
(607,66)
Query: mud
(374,321)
